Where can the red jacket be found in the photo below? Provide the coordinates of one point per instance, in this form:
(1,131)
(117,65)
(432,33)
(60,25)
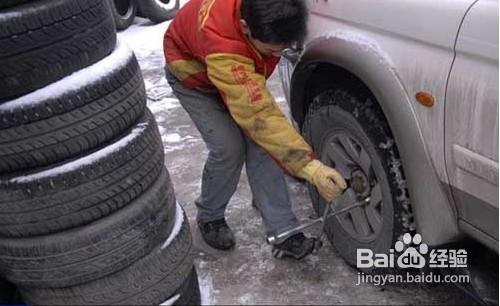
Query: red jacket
(205,48)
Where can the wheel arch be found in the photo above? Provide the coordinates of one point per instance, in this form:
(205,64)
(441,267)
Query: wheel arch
(347,60)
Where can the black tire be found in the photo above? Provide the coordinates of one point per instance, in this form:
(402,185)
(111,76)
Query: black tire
(151,280)
(158,10)
(91,252)
(11,3)
(35,133)
(124,12)
(339,114)
(83,190)
(44,41)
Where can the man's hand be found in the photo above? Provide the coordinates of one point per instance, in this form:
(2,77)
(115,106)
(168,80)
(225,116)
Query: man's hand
(328,181)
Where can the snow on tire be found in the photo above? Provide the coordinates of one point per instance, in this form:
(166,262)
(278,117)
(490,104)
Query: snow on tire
(44,41)
(74,115)
(90,253)
(157,277)
(83,190)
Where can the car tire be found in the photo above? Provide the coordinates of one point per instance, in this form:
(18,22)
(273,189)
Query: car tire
(124,12)
(151,280)
(83,190)
(349,132)
(71,117)
(91,252)
(44,41)
(158,10)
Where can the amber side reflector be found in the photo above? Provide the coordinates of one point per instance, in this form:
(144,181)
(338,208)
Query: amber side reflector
(425,98)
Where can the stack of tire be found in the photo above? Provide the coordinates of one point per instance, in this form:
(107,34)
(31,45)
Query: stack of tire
(88,213)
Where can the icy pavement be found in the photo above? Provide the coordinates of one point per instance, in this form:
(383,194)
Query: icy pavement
(249,274)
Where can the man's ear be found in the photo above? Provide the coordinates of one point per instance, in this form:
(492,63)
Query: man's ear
(244,27)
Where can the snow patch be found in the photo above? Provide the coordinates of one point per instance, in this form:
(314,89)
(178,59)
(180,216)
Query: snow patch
(247,299)
(206,290)
(173,144)
(164,105)
(160,119)
(161,128)
(87,160)
(171,301)
(179,220)
(172,138)
(144,37)
(158,91)
(116,60)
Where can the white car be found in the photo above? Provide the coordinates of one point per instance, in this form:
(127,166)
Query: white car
(402,98)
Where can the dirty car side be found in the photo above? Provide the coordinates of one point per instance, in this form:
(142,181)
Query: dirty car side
(397,49)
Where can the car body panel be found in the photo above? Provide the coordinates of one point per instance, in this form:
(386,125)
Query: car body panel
(397,48)
(472,121)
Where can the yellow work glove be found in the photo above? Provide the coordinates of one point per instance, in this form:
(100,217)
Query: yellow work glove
(328,181)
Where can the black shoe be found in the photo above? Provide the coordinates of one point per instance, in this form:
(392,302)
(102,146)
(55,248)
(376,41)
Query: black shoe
(217,234)
(297,246)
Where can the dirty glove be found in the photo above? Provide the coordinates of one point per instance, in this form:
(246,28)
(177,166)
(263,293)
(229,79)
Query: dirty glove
(327,180)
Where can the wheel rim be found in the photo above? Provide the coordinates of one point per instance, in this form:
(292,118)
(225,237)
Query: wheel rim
(344,152)
(123,7)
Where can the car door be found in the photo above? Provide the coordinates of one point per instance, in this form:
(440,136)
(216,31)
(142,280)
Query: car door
(471,123)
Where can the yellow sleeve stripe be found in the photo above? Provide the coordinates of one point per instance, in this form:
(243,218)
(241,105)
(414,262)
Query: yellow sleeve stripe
(183,69)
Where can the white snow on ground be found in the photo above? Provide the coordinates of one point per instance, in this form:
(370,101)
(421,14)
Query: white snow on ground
(163,105)
(174,143)
(117,59)
(171,138)
(86,160)
(206,290)
(179,220)
(171,301)
(247,299)
(144,37)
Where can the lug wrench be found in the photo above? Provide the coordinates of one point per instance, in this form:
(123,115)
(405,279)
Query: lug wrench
(279,238)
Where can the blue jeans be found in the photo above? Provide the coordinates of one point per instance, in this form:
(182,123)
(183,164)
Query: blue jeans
(228,150)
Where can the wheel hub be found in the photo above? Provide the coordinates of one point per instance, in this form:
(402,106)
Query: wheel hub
(360,184)
(344,152)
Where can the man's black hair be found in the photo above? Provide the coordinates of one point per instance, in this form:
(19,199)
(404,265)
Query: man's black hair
(275,21)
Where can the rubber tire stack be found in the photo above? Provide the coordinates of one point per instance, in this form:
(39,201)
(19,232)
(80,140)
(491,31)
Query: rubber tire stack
(88,213)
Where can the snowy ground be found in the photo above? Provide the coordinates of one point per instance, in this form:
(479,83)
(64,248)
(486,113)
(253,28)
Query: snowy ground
(249,274)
